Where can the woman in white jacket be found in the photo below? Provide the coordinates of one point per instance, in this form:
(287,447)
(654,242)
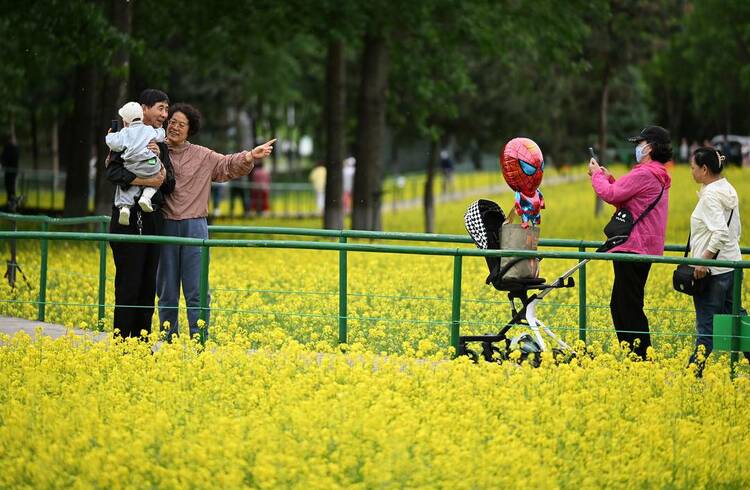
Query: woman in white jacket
(714,234)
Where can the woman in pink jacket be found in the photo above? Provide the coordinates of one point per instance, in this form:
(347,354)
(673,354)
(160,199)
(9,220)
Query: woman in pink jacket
(647,183)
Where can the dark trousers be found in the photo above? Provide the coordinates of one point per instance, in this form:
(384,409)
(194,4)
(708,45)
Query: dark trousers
(626,304)
(10,183)
(135,273)
(716,299)
(242,193)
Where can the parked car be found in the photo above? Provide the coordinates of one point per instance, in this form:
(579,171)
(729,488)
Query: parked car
(736,148)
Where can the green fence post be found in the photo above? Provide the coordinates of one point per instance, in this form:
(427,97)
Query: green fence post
(736,300)
(102,276)
(41,303)
(456,314)
(343,332)
(203,292)
(582,299)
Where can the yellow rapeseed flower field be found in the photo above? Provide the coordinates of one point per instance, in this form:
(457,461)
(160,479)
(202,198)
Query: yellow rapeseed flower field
(270,402)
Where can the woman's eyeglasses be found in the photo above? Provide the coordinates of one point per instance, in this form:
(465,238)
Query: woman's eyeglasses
(178,124)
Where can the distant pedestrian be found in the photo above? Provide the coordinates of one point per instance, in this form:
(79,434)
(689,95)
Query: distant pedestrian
(446,165)
(348,182)
(9,160)
(318,181)
(260,192)
(684,151)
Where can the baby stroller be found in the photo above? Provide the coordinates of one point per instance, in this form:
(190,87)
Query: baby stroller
(484,221)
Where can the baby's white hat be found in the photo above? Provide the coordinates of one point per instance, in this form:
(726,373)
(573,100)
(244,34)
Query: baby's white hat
(130,112)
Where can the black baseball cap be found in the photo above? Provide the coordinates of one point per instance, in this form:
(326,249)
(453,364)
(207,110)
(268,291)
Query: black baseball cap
(652,134)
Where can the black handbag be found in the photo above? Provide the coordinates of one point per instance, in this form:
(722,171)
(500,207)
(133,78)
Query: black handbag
(683,280)
(621,224)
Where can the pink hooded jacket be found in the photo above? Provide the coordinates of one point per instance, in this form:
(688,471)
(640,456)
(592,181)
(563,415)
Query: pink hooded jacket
(635,191)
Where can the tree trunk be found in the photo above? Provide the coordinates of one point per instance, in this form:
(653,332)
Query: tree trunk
(55,146)
(290,136)
(603,111)
(265,117)
(333,216)
(252,137)
(429,196)
(79,142)
(34,139)
(370,134)
(114,92)
(12,127)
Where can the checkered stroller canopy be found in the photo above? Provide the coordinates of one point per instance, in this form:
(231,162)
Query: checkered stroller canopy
(483,220)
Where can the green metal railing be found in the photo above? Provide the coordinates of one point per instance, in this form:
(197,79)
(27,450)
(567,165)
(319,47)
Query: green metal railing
(343,235)
(343,247)
(46,222)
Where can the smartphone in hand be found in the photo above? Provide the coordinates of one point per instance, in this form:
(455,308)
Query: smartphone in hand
(593,155)
(115,127)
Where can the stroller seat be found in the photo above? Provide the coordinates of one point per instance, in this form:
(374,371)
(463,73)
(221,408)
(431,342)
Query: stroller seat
(483,221)
(520,283)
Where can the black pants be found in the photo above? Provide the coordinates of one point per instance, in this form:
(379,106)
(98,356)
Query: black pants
(135,272)
(630,321)
(10,183)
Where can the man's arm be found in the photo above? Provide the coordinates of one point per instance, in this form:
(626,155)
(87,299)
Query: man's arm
(117,174)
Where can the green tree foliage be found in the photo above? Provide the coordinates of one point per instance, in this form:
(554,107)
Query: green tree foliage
(701,79)
(469,74)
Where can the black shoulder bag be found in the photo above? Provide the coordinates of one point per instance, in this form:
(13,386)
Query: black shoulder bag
(621,224)
(683,280)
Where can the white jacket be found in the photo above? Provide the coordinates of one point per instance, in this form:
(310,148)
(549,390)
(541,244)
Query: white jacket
(708,223)
(133,140)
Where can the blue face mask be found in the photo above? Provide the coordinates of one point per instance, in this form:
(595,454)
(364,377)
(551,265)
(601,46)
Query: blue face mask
(639,153)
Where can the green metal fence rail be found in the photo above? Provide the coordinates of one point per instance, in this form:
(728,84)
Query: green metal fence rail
(46,222)
(343,235)
(343,247)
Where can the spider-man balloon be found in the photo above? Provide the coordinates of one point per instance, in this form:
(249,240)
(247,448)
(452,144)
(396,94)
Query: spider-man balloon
(522,164)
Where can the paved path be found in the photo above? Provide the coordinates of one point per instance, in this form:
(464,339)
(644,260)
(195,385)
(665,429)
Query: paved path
(390,206)
(488,191)
(12,326)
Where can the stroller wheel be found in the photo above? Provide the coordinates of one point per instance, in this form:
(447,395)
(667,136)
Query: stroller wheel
(533,358)
(472,355)
(491,353)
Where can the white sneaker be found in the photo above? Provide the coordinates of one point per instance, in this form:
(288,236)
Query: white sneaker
(124,218)
(145,204)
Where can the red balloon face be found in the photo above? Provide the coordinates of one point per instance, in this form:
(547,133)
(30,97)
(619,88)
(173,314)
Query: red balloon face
(522,164)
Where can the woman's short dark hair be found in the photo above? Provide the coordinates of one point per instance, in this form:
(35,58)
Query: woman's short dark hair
(152,96)
(192,114)
(712,158)
(661,152)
